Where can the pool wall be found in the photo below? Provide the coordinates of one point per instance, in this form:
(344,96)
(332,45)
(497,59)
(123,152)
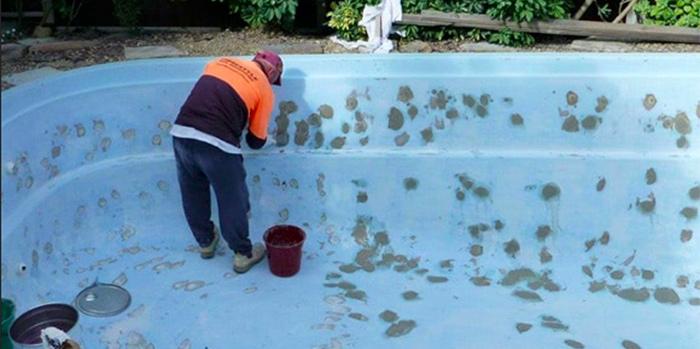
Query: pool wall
(537,184)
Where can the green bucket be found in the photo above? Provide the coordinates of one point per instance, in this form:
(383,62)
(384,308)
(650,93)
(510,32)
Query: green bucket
(8,315)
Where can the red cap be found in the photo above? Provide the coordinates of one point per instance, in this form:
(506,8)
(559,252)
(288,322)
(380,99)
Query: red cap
(272,65)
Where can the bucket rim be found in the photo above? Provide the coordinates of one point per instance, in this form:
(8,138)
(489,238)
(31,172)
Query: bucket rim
(20,317)
(278,226)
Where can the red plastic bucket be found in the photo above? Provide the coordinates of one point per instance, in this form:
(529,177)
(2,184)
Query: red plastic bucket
(284,244)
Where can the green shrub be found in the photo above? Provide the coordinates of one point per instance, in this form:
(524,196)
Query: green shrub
(344,17)
(259,13)
(347,13)
(508,37)
(527,10)
(128,12)
(684,13)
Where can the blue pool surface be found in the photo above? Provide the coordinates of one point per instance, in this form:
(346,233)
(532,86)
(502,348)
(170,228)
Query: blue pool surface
(449,201)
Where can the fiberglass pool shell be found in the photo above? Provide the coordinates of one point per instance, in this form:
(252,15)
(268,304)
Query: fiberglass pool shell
(449,201)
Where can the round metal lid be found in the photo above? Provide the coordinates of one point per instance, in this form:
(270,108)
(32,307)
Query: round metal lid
(103,300)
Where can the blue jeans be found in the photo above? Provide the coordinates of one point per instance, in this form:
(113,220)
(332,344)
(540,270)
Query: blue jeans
(200,165)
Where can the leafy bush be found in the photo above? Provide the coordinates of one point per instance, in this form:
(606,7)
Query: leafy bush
(68,10)
(527,10)
(347,13)
(128,12)
(684,13)
(508,37)
(259,13)
(344,17)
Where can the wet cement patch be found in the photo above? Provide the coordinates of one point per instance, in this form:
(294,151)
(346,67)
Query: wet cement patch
(587,270)
(570,124)
(553,323)
(482,192)
(694,193)
(358,317)
(682,124)
(469,101)
(650,176)
(628,344)
(396,119)
(602,104)
(351,102)
(281,134)
(56,151)
(689,213)
(405,94)
(545,256)
(402,139)
(591,122)
(481,111)
(412,111)
(338,142)
(523,327)
(360,123)
(410,295)
(362,197)
(465,180)
(410,183)
(326,111)
(574,344)
(129,134)
(333,276)
(476,250)
(349,268)
(427,135)
(649,101)
(79,130)
(527,295)
(600,186)
(447,264)
(543,231)
(452,114)
(634,294)
(438,100)
(550,191)
(301,136)
(480,281)
(476,230)
(388,316)
(436,279)
(314,120)
(647,205)
(356,294)
(517,120)
(518,275)
(617,274)
(686,235)
(666,295)
(401,328)
(511,248)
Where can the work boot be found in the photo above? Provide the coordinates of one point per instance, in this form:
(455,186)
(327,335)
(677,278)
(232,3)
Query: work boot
(209,251)
(243,263)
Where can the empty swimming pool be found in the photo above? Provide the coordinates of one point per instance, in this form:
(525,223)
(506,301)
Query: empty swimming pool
(449,201)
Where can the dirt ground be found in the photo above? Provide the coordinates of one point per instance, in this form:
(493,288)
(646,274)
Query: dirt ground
(110,47)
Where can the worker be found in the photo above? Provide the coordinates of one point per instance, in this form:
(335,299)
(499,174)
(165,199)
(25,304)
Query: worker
(232,95)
